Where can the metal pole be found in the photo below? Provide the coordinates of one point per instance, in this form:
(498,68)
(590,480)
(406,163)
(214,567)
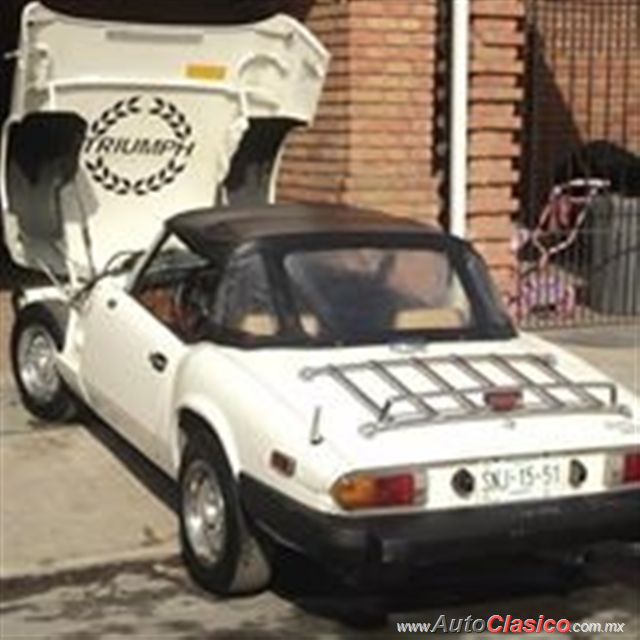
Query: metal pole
(459,118)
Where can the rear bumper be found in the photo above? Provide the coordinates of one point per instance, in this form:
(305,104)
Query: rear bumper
(349,543)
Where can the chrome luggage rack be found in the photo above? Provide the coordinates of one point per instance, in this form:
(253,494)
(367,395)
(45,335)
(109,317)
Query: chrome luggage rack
(468,400)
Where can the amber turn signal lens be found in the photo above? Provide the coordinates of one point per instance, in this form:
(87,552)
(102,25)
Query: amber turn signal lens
(367,491)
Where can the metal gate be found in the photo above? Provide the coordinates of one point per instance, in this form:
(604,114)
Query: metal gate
(578,237)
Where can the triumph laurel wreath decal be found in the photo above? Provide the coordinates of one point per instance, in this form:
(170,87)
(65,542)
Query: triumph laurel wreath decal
(104,145)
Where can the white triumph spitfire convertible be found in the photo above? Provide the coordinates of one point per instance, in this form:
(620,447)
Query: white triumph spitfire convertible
(340,382)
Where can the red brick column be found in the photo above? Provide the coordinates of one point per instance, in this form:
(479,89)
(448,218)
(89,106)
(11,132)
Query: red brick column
(496,93)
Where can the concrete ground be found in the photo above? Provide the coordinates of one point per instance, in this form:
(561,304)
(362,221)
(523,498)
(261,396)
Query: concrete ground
(157,600)
(75,495)
(67,502)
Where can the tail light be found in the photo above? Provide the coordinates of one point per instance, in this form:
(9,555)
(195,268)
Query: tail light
(372,490)
(624,469)
(631,468)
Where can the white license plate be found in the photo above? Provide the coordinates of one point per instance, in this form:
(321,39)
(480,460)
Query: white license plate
(513,480)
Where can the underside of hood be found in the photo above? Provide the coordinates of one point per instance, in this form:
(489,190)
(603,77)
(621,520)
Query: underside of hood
(115,127)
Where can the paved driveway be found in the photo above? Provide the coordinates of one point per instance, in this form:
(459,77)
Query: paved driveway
(73,495)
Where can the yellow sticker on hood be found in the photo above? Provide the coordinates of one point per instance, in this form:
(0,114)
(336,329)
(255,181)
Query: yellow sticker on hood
(214,72)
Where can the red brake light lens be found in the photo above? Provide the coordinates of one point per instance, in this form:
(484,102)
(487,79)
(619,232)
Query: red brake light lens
(500,400)
(631,470)
(396,490)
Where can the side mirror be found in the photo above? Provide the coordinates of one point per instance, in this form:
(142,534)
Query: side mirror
(43,153)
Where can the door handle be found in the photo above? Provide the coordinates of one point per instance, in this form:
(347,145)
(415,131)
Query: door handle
(158,361)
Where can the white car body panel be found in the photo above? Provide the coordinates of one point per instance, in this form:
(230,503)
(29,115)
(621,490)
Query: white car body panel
(123,387)
(166,109)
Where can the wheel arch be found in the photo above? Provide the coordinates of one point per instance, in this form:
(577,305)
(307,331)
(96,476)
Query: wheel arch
(56,308)
(192,417)
(59,404)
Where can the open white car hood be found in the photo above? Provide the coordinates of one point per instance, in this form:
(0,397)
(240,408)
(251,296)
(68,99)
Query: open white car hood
(176,118)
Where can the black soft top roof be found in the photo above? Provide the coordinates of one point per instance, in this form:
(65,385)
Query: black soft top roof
(206,230)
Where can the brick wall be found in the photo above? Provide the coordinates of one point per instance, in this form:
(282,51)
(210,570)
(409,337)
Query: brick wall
(584,83)
(590,54)
(378,139)
(315,166)
(373,142)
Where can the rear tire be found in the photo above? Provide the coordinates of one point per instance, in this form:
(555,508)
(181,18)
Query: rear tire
(37,336)
(219,549)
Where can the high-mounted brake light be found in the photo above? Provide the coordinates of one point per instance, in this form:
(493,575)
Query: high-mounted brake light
(370,491)
(503,399)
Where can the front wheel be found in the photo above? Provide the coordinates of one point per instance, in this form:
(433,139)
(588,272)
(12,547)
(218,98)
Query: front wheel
(37,337)
(220,551)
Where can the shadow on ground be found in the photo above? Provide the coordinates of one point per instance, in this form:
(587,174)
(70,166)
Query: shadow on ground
(473,588)
(150,476)
(303,602)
